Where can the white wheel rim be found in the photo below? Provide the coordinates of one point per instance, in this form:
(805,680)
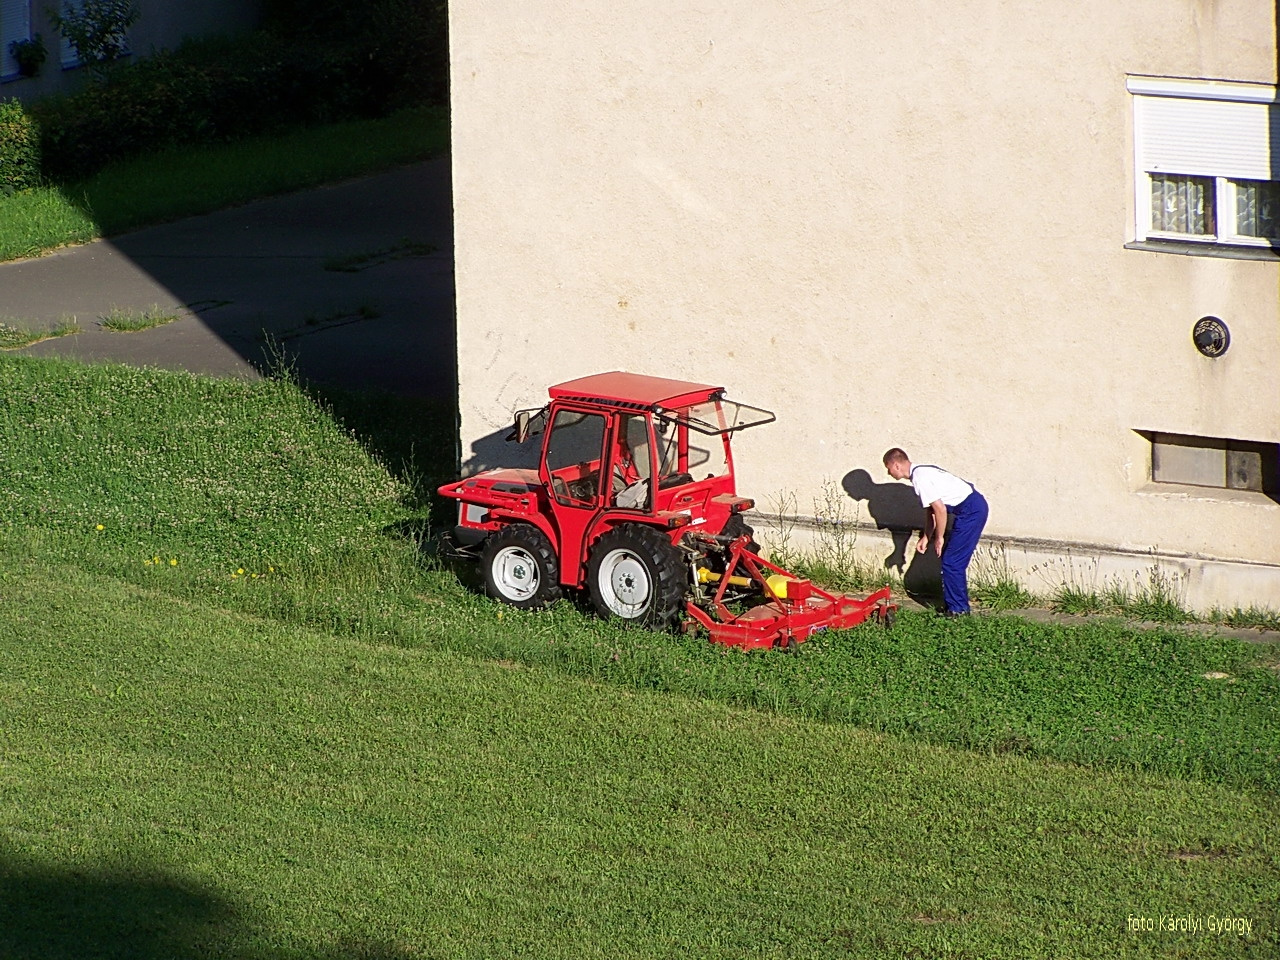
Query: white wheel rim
(624,584)
(515,573)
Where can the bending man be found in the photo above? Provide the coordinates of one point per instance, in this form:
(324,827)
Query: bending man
(943,493)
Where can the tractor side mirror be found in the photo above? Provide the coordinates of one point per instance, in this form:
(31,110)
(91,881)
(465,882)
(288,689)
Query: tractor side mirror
(528,423)
(521,426)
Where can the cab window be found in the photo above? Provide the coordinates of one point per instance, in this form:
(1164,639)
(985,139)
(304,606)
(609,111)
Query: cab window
(574,449)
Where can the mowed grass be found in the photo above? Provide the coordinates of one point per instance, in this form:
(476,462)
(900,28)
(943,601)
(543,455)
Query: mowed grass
(183,780)
(190,180)
(247,713)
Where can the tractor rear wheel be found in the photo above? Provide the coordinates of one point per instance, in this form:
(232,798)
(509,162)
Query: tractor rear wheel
(637,575)
(520,567)
(735,527)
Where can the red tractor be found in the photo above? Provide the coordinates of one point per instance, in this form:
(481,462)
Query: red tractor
(633,500)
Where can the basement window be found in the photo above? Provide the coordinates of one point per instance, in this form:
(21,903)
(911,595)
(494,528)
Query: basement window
(1215,462)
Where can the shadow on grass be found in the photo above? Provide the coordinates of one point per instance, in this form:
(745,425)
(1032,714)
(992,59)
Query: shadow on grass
(133,911)
(414,438)
(139,912)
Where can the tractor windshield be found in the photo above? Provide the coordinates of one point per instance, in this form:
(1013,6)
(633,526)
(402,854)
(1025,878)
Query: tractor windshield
(717,416)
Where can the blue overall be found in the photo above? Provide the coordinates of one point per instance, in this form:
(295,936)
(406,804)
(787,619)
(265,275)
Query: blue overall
(970,517)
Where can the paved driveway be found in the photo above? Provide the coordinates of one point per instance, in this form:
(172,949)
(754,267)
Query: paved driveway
(252,281)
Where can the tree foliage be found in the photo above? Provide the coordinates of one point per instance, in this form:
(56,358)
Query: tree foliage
(96,29)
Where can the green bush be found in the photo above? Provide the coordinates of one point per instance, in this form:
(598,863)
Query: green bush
(400,47)
(204,92)
(19,148)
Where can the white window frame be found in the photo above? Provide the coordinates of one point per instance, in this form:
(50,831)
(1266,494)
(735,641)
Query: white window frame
(1222,131)
(15,24)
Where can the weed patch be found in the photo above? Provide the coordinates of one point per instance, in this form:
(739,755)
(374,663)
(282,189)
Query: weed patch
(121,320)
(363,260)
(15,334)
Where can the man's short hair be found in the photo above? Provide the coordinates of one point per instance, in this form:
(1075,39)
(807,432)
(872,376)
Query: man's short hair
(895,455)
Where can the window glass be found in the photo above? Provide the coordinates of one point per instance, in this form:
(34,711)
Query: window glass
(15,24)
(1182,205)
(574,451)
(1257,208)
(632,483)
(706,452)
(575,438)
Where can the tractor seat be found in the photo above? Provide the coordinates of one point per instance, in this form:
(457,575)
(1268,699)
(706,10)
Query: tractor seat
(675,480)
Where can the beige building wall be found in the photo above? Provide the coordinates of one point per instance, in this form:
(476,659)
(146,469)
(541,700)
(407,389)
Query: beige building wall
(893,223)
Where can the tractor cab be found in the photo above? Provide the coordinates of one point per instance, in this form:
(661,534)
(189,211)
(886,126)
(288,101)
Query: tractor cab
(615,448)
(620,441)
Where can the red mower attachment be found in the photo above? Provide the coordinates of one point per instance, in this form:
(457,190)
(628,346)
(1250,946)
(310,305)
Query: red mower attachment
(793,608)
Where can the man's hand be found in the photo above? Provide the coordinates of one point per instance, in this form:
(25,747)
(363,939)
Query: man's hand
(923,544)
(937,525)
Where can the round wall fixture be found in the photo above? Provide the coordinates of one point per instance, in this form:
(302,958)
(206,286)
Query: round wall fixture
(1211,336)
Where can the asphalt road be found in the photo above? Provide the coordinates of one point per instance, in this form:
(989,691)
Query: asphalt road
(257,282)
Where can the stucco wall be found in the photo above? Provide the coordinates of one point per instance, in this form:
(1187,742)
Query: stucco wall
(890,223)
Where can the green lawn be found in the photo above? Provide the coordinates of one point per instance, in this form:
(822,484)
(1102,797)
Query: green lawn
(183,780)
(202,178)
(246,713)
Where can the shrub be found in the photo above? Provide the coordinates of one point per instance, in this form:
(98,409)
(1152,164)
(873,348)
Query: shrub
(204,92)
(19,148)
(29,54)
(400,47)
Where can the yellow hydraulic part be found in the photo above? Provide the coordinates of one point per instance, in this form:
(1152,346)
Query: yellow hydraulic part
(777,582)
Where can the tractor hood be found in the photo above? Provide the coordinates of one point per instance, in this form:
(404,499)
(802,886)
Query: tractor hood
(502,480)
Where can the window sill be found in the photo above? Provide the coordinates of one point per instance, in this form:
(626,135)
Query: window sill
(1222,251)
(1186,491)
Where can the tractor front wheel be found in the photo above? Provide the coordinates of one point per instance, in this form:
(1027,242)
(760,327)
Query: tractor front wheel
(636,574)
(520,567)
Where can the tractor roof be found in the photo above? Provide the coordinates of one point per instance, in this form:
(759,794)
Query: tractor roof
(634,388)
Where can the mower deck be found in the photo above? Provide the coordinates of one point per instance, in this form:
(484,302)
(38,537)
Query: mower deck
(793,609)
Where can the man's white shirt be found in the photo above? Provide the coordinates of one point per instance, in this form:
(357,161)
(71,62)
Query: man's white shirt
(933,483)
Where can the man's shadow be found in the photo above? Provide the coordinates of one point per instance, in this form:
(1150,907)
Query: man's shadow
(895,508)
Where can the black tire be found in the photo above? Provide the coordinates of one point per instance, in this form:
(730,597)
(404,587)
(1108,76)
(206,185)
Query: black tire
(520,567)
(735,527)
(637,575)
